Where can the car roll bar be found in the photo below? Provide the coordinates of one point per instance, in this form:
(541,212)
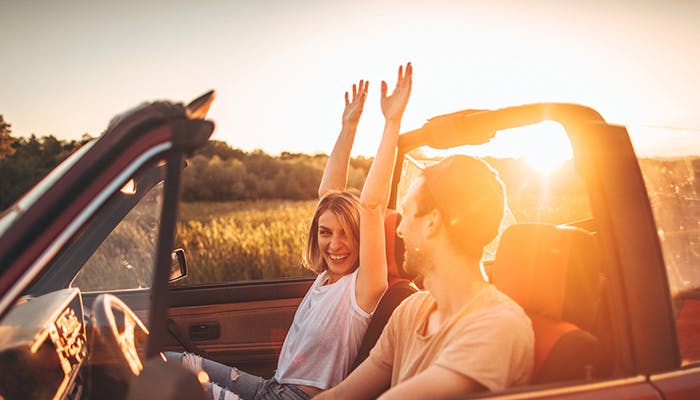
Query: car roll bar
(473,127)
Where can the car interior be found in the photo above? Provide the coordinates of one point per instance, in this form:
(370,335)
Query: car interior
(553,270)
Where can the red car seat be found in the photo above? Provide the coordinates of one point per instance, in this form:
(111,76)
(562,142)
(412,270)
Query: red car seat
(553,272)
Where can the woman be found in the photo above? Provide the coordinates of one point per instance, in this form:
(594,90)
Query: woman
(346,247)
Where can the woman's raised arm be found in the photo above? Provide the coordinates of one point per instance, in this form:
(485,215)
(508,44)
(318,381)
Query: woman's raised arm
(335,175)
(372,275)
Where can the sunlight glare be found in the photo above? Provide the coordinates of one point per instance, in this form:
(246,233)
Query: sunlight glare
(547,147)
(544,146)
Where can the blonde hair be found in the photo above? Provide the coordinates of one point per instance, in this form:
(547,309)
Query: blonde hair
(346,206)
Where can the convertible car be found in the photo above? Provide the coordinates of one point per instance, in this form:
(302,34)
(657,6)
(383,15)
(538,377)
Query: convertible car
(602,255)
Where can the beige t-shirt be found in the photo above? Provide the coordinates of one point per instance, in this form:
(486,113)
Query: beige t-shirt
(490,341)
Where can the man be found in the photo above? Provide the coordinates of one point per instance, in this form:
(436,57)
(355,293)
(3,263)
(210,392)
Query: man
(462,335)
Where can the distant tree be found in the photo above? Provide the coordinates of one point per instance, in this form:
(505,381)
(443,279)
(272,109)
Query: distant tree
(31,159)
(218,172)
(221,150)
(6,140)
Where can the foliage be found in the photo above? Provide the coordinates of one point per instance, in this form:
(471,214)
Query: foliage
(5,139)
(216,172)
(29,161)
(220,173)
(241,241)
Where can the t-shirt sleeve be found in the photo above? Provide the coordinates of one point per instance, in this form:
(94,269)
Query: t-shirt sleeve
(496,352)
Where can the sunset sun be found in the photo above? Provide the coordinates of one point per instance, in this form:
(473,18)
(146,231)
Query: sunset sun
(547,147)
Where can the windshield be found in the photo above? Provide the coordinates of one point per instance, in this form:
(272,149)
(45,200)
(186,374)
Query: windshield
(670,163)
(115,249)
(125,259)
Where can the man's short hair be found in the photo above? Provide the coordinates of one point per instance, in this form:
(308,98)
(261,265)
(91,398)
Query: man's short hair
(470,197)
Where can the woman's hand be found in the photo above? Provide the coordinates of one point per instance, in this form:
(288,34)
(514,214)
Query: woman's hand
(335,175)
(353,109)
(394,104)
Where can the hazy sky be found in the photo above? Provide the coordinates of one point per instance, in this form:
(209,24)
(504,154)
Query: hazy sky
(280,68)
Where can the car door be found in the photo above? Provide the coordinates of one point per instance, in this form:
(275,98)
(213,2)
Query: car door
(242,324)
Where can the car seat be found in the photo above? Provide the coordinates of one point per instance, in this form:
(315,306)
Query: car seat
(553,272)
(399,288)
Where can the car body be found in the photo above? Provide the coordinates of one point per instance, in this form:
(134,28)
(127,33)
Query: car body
(78,219)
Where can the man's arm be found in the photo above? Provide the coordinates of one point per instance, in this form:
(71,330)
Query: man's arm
(366,382)
(335,175)
(435,382)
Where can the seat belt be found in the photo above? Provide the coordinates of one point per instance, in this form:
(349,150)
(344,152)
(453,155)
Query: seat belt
(185,341)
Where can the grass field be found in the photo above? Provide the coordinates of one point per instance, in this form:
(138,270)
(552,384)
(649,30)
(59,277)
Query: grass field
(240,241)
(251,240)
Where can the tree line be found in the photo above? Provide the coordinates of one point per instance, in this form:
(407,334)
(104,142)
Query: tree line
(24,161)
(216,172)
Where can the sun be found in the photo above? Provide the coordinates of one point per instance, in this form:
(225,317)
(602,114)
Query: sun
(544,147)
(547,147)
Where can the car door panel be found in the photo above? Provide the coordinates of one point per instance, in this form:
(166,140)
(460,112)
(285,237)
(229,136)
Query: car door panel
(679,385)
(246,335)
(242,325)
(239,324)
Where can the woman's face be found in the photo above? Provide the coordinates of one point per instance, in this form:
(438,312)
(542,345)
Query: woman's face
(336,246)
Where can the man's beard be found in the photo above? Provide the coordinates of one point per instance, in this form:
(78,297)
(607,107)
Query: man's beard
(416,261)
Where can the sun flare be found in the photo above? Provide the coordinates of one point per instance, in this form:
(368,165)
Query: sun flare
(546,163)
(546,148)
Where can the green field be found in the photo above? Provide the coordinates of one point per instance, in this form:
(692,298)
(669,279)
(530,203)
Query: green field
(246,240)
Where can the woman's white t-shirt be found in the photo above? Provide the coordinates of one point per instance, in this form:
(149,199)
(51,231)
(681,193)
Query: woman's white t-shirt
(325,335)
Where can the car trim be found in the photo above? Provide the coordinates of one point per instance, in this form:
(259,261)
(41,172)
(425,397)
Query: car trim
(80,219)
(570,389)
(674,374)
(198,295)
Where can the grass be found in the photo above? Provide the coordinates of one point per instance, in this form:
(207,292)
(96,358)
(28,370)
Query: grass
(241,241)
(252,240)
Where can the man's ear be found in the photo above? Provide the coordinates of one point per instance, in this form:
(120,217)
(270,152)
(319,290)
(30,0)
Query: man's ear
(432,223)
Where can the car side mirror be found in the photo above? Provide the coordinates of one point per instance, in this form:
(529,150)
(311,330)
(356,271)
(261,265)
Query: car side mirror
(178,265)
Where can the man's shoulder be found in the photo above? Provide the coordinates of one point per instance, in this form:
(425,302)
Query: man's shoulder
(416,302)
(499,309)
(502,301)
(420,297)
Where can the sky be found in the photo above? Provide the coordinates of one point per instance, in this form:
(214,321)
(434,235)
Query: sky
(280,67)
